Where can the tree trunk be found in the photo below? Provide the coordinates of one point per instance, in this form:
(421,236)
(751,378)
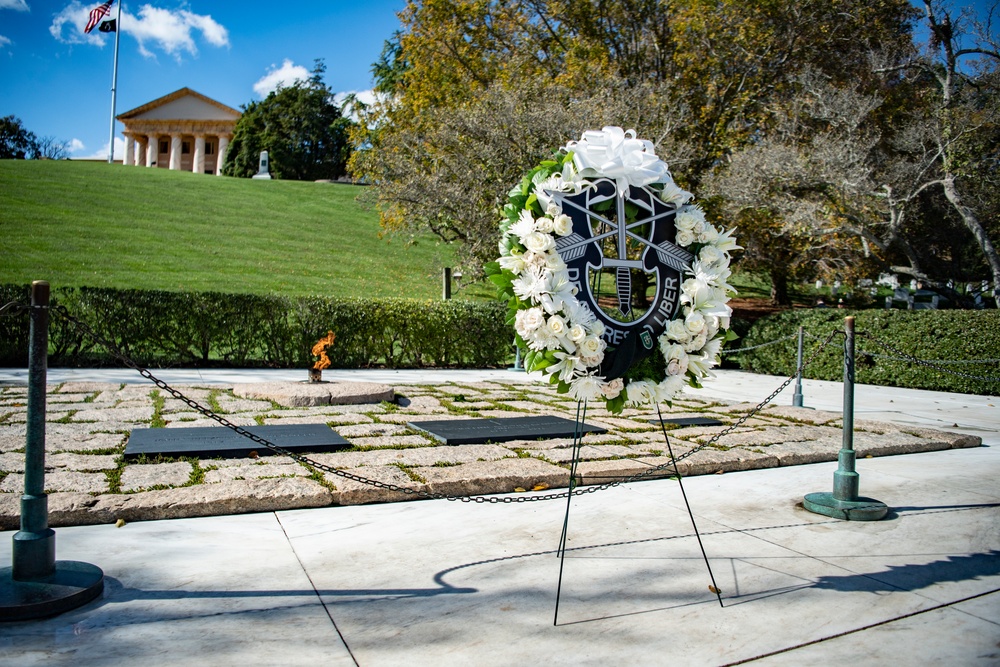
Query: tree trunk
(779,288)
(972,222)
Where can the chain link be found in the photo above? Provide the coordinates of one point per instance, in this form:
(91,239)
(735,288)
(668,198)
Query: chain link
(388,486)
(921,362)
(13,308)
(755,347)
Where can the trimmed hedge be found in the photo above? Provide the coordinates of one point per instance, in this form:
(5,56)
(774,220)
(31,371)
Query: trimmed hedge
(953,335)
(202,329)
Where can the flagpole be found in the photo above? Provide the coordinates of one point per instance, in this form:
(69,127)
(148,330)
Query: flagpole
(114,88)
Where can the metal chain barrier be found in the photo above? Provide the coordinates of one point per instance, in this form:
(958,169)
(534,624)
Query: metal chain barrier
(388,486)
(903,356)
(13,308)
(755,347)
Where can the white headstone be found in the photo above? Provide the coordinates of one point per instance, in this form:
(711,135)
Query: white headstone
(263,171)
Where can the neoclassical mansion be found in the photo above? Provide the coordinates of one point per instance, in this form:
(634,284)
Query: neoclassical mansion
(183,130)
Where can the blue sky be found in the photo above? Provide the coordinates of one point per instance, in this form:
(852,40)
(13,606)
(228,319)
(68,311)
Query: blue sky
(58,80)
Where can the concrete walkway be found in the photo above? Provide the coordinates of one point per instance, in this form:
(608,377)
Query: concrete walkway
(450,583)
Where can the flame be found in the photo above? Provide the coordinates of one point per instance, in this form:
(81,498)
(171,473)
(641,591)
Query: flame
(319,350)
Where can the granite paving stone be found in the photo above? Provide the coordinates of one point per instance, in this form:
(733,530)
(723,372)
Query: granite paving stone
(145,475)
(104,415)
(61,480)
(258,471)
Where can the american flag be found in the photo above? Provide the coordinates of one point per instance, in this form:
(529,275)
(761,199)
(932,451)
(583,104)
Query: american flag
(97,14)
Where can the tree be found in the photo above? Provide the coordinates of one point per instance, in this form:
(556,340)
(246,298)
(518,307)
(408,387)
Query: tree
(16,142)
(50,148)
(300,127)
(698,77)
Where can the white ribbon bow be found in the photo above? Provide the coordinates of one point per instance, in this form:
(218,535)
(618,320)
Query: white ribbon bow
(616,153)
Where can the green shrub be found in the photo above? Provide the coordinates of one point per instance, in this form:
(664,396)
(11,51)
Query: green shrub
(241,330)
(951,335)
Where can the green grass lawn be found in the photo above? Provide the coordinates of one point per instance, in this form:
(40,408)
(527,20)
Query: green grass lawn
(93,224)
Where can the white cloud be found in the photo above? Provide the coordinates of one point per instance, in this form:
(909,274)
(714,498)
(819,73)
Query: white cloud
(366,97)
(4,41)
(103,153)
(16,5)
(168,30)
(285,76)
(75,146)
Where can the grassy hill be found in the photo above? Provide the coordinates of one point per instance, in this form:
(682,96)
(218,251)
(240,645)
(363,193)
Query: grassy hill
(93,224)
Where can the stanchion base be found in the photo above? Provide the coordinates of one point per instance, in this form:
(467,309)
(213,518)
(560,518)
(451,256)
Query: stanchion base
(72,585)
(862,509)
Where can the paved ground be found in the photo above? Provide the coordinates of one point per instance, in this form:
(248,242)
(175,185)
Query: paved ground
(448,583)
(90,420)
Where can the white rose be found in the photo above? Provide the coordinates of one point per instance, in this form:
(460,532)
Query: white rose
(676,331)
(710,235)
(710,255)
(529,320)
(577,333)
(698,229)
(597,328)
(613,388)
(694,323)
(674,368)
(592,345)
(554,262)
(696,343)
(544,225)
(675,352)
(553,210)
(562,225)
(684,237)
(688,217)
(557,325)
(593,360)
(538,242)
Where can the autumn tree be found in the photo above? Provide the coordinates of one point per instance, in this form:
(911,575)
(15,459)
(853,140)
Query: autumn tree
(698,77)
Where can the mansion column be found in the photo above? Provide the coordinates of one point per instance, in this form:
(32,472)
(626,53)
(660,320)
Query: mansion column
(220,159)
(140,150)
(128,159)
(152,146)
(175,151)
(198,163)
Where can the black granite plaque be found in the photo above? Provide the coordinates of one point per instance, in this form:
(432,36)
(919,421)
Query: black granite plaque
(689,421)
(214,441)
(479,431)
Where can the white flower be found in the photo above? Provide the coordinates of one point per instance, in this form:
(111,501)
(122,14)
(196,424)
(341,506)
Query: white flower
(556,325)
(712,348)
(640,392)
(694,323)
(578,313)
(711,326)
(696,343)
(613,389)
(531,284)
(513,263)
(672,194)
(577,333)
(528,320)
(596,328)
(552,210)
(562,225)
(675,351)
(710,255)
(709,235)
(676,331)
(592,345)
(544,225)
(690,217)
(525,225)
(594,360)
(554,262)
(561,291)
(727,242)
(586,387)
(567,366)
(669,387)
(701,365)
(685,237)
(538,242)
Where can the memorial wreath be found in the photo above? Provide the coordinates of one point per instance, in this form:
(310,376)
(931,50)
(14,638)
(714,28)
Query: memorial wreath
(608,205)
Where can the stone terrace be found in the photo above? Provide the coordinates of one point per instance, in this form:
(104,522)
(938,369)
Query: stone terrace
(88,480)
